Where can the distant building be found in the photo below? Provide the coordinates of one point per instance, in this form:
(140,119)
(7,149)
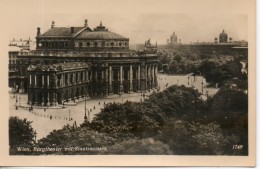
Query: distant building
(16,81)
(223,37)
(173,38)
(221,45)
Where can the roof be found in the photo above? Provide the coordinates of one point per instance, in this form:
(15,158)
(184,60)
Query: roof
(101,35)
(61,32)
(223,33)
(58,66)
(14,49)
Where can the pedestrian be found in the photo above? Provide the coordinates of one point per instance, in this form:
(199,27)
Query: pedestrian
(94,107)
(50,117)
(98,103)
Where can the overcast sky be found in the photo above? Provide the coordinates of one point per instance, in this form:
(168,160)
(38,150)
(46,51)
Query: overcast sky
(191,20)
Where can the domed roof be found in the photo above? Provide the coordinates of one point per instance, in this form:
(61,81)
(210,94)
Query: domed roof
(100,33)
(223,33)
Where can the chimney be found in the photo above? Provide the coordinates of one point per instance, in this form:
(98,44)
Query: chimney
(86,23)
(52,24)
(72,30)
(38,31)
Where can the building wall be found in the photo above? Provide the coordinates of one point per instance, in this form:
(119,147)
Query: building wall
(99,79)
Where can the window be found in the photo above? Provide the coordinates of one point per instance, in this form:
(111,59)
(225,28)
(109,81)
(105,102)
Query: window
(80,44)
(88,44)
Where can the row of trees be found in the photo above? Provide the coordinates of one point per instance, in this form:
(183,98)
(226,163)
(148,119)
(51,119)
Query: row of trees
(216,68)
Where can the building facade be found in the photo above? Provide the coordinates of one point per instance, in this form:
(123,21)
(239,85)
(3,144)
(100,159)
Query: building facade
(17,76)
(71,63)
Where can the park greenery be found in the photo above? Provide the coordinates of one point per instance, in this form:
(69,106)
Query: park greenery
(217,68)
(176,121)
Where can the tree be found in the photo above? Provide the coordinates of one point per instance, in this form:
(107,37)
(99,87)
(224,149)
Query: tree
(185,138)
(147,146)
(21,134)
(128,119)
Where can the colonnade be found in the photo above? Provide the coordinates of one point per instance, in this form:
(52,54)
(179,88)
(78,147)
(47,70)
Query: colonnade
(52,88)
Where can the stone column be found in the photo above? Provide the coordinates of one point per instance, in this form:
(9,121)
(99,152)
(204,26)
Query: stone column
(68,80)
(54,97)
(48,81)
(35,98)
(42,98)
(62,80)
(35,80)
(43,81)
(143,77)
(30,79)
(87,75)
(110,81)
(48,99)
(91,75)
(96,76)
(138,78)
(83,76)
(102,75)
(131,79)
(121,80)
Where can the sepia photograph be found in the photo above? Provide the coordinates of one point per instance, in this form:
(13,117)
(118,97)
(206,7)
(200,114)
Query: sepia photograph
(141,81)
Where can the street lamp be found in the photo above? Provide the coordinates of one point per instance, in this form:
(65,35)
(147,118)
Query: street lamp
(20,101)
(35,134)
(202,86)
(16,100)
(69,114)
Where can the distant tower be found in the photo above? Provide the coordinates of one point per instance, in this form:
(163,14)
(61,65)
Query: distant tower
(223,37)
(230,40)
(86,23)
(173,38)
(215,40)
(52,24)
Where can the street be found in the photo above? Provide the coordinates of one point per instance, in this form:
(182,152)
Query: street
(49,119)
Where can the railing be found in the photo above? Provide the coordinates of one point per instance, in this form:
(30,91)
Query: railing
(86,54)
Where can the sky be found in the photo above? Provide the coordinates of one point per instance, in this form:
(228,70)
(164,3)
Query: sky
(191,20)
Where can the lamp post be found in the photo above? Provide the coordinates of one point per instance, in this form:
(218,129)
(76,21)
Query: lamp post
(35,135)
(85,117)
(20,101)
(16,100)
(69,114)
(202,85)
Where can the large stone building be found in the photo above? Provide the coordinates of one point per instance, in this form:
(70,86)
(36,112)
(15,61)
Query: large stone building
(16,79)
(222,45)
(75,62)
